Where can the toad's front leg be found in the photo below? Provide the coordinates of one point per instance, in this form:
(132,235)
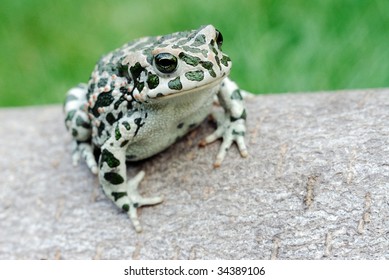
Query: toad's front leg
(231,124)
(113,173)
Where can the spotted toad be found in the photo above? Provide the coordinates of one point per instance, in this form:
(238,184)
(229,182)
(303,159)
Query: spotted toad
(143,96)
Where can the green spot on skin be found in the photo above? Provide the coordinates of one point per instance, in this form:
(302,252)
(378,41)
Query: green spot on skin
(152,81)
(218,62)
(240,133)
(236,95)
(209,66)
(90,90)
(126,207)
(80,122)
(111,69)
(74,132)
(124,143)
(175,84)
(123,71)
(70,115)
(103,100)
(242,116)
(199,40)
(195,75)
(118,135)
(180,125)
(140,86)
(109,158)
(139,124)
(110,118)
(211,46)
(136,205)
(180,43)
(136,70)
(188,59)
(121,99)
(113,178)
(102,82)
(117,195)
(126,125)
(195,50)
(225,60)
(100,129)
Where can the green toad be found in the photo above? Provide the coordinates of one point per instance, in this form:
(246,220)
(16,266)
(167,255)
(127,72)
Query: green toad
(142,97)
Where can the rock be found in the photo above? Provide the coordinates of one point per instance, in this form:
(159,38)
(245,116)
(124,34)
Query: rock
(315,186)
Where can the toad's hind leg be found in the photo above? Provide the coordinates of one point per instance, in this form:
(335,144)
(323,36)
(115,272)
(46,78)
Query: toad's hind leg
(78,124)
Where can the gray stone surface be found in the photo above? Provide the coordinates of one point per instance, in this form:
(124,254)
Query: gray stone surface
(316,186)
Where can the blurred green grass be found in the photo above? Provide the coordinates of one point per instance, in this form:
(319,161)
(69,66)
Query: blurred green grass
(276,46)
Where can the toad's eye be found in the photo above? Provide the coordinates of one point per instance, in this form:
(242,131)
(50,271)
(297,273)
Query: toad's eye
(219,39)
(165,63)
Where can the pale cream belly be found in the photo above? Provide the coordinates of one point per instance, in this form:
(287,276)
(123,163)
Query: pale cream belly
(166,124)
(161,137)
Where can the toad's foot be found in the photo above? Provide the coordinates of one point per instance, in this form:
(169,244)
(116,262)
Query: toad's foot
(230,131)
(137,200)
(85,151)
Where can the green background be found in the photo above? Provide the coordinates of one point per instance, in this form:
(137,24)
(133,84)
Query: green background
(48,46)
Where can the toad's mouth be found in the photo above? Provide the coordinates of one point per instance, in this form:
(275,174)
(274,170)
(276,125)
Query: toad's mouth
(209,85)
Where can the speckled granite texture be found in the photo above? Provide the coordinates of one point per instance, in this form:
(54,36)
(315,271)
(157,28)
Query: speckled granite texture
(316,186)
